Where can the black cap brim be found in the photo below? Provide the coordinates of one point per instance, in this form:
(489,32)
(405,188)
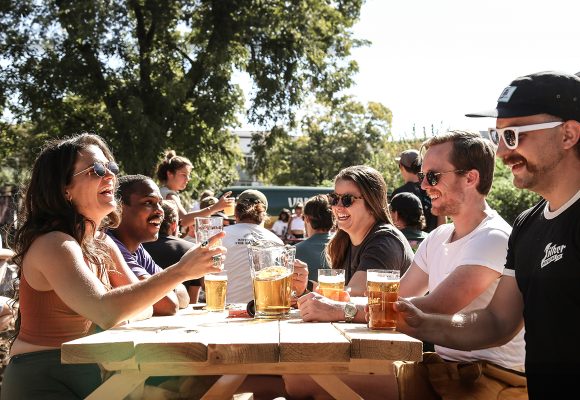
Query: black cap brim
(508,112)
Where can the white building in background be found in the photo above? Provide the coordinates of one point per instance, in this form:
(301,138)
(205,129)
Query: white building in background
(245,140)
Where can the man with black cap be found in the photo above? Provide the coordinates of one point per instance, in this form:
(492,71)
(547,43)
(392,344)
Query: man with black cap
(538,135)
(409,165)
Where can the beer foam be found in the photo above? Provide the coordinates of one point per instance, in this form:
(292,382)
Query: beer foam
(273,272)
(383,278)
(212,277)
(331,278)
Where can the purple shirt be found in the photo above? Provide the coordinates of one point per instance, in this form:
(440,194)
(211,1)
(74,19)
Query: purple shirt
(140,262)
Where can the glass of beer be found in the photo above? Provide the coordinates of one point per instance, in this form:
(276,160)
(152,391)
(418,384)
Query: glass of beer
(206,227)
(216,286)
(383,291)
(331,282)
(271,266)
(230,208)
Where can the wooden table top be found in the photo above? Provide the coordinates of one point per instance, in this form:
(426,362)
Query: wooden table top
(197,337)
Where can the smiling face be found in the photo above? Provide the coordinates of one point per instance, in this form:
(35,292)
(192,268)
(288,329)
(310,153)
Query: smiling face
(178,180)
(534,162)
(142,217)
(357,219)
(447,195)
(92,195)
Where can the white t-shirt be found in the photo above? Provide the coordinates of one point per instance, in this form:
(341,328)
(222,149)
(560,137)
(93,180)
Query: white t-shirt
(237,263)
(280,227)
(486,245)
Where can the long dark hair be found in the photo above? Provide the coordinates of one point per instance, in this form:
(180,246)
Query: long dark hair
(374,192)
(46,209)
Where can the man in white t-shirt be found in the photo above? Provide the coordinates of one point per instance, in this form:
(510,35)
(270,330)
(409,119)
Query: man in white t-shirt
(458,266)
(251,207)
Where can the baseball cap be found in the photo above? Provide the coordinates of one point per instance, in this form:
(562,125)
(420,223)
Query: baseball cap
(546,92)
(408,158)
(253,196)
(407,203)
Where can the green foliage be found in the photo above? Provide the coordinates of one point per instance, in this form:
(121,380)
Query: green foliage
(155,75)
(505,198)
(348,133)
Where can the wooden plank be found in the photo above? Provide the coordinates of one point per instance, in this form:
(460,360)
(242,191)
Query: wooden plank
(221,341)
(108,346)
(118,386)
(179,369)
(380,345)
(224,388)
(310,342)
(335,387)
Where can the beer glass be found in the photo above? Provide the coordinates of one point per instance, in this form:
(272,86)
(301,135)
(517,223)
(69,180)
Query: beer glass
(331,282)
(215,291)
(382,291)
(271,266)
(230,209)
(206,227)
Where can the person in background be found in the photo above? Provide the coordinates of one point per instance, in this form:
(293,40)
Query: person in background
(169,247)
(296,228)
(141,220)
(280,226)
(409,165)
(174,173)
(407,213)
(318,220)
(251,214)
(538,137)
(72,275)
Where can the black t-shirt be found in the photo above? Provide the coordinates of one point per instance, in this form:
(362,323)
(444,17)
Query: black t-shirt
(415,188)
(384,247)
(167,250)
(544,251)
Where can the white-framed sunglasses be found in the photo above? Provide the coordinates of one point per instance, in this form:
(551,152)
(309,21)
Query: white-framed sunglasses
(511,134)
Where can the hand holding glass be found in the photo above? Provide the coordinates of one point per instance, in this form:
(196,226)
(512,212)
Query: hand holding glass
(383,291)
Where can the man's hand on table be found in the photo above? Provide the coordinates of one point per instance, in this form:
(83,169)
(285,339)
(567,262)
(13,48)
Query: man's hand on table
(315,307)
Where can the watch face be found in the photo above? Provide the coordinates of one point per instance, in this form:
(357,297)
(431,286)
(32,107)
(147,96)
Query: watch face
(350,311)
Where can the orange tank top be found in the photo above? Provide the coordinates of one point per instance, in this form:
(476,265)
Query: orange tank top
(45,320)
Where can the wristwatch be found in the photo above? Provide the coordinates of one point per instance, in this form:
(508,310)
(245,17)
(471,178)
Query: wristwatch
(350,311)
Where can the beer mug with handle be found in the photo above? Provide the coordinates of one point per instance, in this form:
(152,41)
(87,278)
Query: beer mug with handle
(271,266)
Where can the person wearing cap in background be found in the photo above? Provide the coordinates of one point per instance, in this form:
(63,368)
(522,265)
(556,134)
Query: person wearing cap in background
(409,165)
(250,214)
(407,213)
(538,137)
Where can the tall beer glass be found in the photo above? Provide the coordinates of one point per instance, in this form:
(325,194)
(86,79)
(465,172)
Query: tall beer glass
(383,291)
(331,282)
(216,286)
(271,266)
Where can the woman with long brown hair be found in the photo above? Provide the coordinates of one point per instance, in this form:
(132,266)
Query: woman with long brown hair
(72,275)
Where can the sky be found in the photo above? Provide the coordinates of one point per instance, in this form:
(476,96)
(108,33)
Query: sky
(431,62)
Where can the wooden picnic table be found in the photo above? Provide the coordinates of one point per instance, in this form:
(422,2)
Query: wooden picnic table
(197,342)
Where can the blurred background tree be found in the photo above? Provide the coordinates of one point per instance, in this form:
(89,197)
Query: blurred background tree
(155,75)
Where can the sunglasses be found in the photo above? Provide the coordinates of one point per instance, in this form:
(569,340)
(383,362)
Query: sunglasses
(433,177)
(510,135)
(100,169)
(347,199)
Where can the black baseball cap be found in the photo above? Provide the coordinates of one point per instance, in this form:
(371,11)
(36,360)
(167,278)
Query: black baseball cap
(408,204)
(546,92)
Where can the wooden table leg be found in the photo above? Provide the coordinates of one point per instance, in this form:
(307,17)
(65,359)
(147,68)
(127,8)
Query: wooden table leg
(224,388)
(118,386)
(335,387)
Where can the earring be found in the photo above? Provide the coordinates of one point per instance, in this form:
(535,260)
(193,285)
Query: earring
(68,197)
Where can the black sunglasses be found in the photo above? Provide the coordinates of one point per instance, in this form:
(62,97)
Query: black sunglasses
(433,177)
(347,199)
(100,169)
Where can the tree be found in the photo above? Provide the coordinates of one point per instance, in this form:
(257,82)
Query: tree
(152,75)
(346,133)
